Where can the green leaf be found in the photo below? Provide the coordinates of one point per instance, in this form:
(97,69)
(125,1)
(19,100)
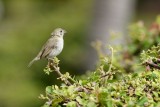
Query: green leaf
(71,104)
(155,94)
(46,105)
(109,103)
(138,91)
(80,100)
(56,101)
(49,89)
(91,104)
(142,101)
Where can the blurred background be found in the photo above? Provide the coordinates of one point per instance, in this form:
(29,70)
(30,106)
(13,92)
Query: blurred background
(25,25)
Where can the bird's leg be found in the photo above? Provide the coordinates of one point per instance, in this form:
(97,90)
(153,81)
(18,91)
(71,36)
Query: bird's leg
(48,65)
(50,62)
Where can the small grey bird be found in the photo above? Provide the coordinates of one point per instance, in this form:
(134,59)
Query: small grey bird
(52,47)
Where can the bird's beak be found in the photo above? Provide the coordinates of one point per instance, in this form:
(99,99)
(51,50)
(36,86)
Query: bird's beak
(65,31)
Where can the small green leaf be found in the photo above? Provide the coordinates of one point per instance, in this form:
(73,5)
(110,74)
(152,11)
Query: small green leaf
(46,105)
(91,104)
(49,89)
(80,100)
(109,103)
(71,104)
(142,101)
(155,94)
(138,91)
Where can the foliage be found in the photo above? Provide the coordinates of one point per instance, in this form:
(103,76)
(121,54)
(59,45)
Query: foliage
(140,38)
(102,88)
(143,38)
(25,27)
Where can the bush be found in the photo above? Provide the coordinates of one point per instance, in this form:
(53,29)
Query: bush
(109,85)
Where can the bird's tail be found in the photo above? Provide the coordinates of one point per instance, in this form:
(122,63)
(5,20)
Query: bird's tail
(30,63)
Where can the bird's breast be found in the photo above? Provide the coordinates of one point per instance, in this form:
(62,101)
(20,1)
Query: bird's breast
(60,45)
(57,48)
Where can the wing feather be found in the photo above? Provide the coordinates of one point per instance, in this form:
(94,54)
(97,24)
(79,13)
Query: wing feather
(47,48)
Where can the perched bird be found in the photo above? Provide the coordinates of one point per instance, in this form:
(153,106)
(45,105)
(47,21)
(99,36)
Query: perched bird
(52,47)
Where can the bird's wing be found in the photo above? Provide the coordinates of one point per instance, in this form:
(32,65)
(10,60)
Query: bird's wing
(47,48)
(46,52)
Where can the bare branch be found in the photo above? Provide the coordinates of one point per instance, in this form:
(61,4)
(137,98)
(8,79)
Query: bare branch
(152,65)
(54,66)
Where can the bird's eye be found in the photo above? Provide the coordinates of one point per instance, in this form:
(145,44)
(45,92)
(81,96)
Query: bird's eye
(61,31)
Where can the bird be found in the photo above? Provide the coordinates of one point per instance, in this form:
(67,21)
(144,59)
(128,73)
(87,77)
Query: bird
(52,47)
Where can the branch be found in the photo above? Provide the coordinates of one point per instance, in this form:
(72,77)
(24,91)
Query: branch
(158,60)
(109,70)
(152,65)
(53,65)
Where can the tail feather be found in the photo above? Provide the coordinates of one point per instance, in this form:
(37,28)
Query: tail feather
(30,63)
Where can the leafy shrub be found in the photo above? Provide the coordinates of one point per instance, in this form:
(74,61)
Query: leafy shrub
(109,85)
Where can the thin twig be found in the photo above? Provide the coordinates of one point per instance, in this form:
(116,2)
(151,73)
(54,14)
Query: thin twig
(158,60)
(104,75)
(55,68)
(152,65)
(77,103)
(61,75)
(111,59)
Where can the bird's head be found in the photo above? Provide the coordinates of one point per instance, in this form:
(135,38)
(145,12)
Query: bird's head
(58,32)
